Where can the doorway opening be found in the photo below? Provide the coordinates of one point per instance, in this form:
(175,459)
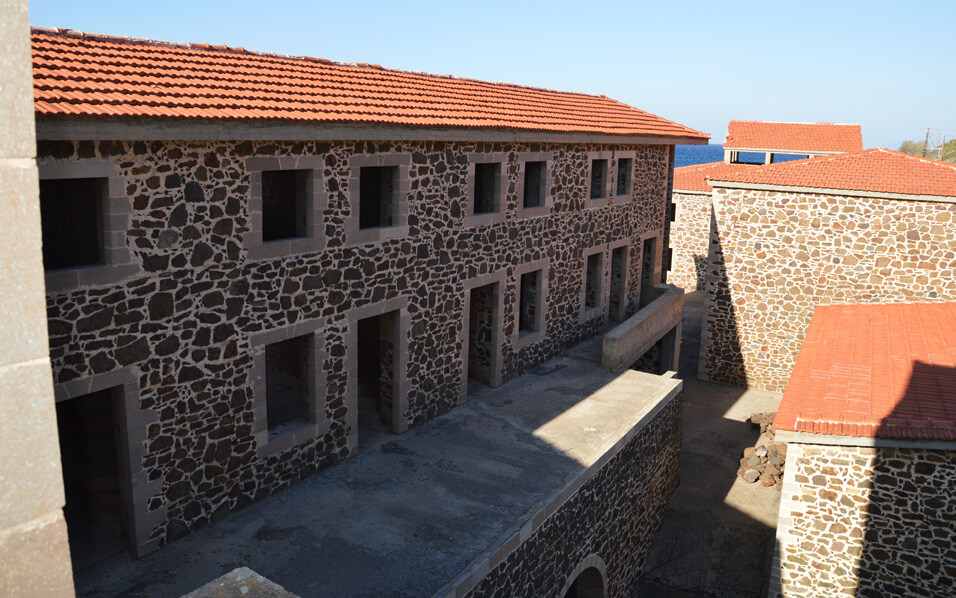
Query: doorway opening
(377,364)
(89,451)
(618,296)
(648,263)
(482,334)
(589,584)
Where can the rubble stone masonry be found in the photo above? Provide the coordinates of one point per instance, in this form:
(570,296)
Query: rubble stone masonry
(689,240)
(867,522)
(774,256)
(183,321)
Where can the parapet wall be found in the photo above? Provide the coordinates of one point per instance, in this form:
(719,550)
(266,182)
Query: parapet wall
(858,521)
(607,523)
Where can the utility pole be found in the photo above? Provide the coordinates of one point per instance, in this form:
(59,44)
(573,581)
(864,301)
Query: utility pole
(926,143)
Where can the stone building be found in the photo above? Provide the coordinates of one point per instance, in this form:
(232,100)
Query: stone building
(868,505)
(690,230)
(257,265)
(777,139)
(875,226)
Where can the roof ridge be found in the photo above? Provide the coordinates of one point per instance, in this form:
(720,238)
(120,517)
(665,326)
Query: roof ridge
(75,33)
(793,122)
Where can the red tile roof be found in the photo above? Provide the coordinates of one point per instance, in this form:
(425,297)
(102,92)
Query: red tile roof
(694,178)
(807,137)
(879,370)
(875,170)
(77,74)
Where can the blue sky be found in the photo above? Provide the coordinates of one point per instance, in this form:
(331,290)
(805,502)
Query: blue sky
(886,65)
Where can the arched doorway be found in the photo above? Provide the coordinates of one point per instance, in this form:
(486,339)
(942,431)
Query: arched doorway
(588,584)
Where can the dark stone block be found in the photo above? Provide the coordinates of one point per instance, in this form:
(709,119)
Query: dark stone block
(173,181)
(201,254)
(160,306)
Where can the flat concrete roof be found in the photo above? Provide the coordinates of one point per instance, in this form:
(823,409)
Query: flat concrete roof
(411,514)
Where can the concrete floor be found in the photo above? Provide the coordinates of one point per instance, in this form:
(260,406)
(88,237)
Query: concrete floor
(409,513)
(718,531)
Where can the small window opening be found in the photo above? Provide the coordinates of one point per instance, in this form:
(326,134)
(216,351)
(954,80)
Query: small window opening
(377,203)
(377,358)
(529,302)
(534,184)
(71,216)
(624,168)
(95,522)
(592,284)
(486,197)
(598,178)
(284,204)
(287,383)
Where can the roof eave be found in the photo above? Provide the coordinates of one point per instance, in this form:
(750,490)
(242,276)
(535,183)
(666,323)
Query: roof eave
(788,151)
(57,128)
(831,191)
(791,436)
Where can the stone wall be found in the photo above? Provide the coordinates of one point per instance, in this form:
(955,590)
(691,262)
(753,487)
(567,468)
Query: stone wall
(614,516)
(183,323)
(34,552)
(690,240)
(866,522)
(774,256)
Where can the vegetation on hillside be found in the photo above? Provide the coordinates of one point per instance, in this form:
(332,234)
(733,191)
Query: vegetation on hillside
(916,148)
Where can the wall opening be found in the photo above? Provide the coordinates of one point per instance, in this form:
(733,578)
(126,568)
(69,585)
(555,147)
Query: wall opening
(89,451)
(529,304)
(284,204)
(534,184)
(71,217)
(287,383)
(482,323)
(589,584)
(648,263)
(618,291)
(377,363)
(377,192)
(625,166)
(592,281)
(598,178)
(486,189)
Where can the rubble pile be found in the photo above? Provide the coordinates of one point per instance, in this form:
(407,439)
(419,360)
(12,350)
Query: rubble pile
(763,462)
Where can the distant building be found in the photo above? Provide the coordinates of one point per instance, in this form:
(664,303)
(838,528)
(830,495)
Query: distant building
(807,140)
(256,263)
(873,226)
(869,416)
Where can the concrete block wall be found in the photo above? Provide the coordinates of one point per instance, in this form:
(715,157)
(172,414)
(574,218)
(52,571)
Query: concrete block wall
(33,545)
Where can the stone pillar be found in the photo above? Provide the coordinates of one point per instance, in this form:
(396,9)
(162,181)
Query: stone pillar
(33,541)
(768,159)
(727,156)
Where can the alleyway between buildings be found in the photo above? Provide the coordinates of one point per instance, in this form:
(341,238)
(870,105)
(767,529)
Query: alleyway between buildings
(718,531)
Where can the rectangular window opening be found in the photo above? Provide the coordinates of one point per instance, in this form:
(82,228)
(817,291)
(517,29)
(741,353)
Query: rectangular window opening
(592,284)
(284,199)
(486,191)
(529,302)
(71,217)
(287,383)
(648,263)
(598,178)
(377,200)
(377,363)
(535,184)
(94,509)
(481,327)
(625,166)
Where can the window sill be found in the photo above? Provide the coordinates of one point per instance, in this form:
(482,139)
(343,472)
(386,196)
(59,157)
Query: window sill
(526,338)
(484,219)
(72,279)
(284,248)
(285,437)
(375,235)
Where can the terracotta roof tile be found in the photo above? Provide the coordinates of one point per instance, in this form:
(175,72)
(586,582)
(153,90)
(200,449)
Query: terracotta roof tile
(808,137)
(875,170)
(878,370)
(695,178)
(89,75)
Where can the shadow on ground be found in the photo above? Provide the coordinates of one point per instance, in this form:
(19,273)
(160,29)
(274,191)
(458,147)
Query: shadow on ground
(718,532)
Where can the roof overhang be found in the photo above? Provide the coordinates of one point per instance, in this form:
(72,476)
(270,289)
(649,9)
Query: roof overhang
(794,152)
(689,192)
(52,128)
(867,441)
(828,191)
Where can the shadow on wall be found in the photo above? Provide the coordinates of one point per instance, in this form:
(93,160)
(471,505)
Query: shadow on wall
(700,272)
(720,358)
(909,542)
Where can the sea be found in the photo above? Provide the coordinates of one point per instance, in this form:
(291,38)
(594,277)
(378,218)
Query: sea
(688,155)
